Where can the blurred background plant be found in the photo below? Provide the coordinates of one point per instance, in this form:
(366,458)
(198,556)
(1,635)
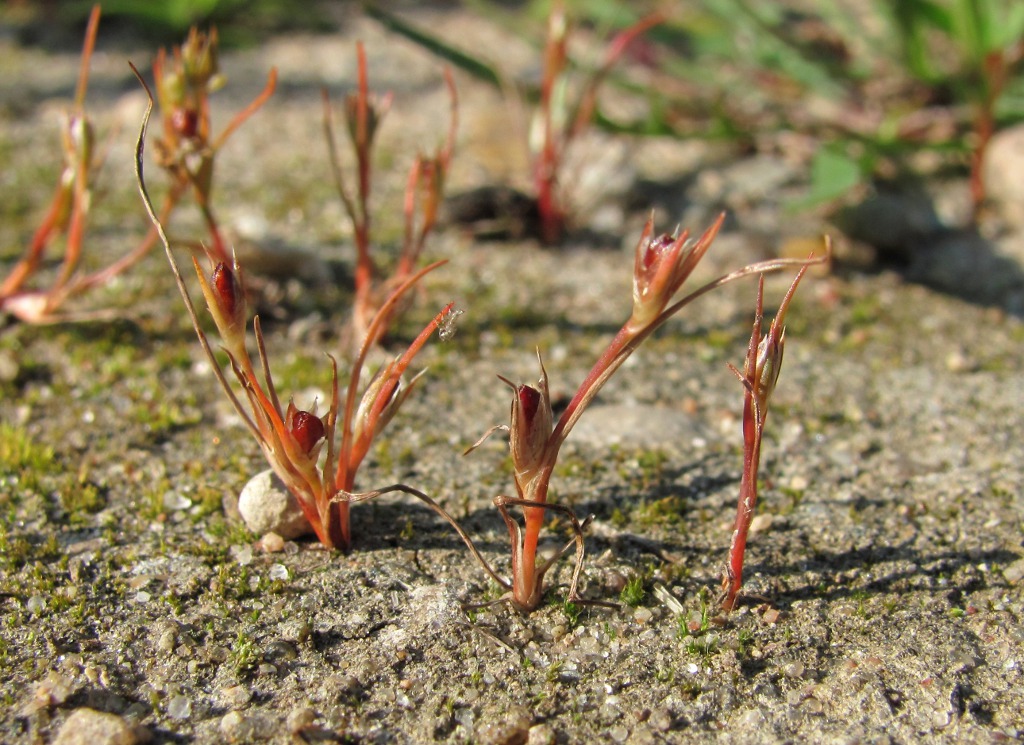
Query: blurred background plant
(188,148)
(875,83)
(29,291)
(564,103)
(862,90)
(363,113)
(68,210)
(863,86)
(243,21)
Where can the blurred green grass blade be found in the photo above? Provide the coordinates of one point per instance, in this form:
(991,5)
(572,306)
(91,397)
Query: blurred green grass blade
(971,29)
(915,19)
(1011,29)
(174,15)
(605,13)
(833,174)
(434,45)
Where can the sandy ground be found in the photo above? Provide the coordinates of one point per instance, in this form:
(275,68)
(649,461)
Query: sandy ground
(884,579)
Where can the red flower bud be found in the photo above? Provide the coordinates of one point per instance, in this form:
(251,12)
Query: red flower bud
(226,301)
(307,429)
(185,122)
(227,288)
(529,430)
(662,265)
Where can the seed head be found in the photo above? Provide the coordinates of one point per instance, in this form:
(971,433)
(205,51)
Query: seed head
(306,428)
(529,429)
(663,263)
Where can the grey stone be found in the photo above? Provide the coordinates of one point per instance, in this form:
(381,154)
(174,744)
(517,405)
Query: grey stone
(91,727)
(1004,162)
(266,506)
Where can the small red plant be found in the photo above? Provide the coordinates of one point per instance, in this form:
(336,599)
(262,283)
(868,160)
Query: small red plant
(555,124)
(66,216)
(662,265)
(424,191)
(760,374)
(292,438)
(187,150)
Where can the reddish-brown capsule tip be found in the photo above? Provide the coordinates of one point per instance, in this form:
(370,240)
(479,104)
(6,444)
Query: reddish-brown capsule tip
(307,430)
(185,122)
(654,250)
(224,282)
(529,401)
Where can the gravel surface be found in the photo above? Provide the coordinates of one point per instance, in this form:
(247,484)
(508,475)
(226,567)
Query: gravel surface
(885,579)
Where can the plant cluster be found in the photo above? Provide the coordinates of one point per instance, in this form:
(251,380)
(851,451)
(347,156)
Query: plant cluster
(186,151)
(66,217)
(318,456)
(899,78)
(423,195)
(565,102)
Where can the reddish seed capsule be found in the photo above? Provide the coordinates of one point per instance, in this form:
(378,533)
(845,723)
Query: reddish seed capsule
(529,401)
(307,430)
(654,249)
(224,282)
(185,122)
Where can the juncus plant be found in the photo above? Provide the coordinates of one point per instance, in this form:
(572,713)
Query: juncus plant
(760,374)
(67,217)
(662,265)
(187,147)
(186,150)
(558,121)
(292,438)
(364,113)
(67,212)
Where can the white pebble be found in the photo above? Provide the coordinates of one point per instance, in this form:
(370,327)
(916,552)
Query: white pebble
(266,505)
(179,707)
(242,554)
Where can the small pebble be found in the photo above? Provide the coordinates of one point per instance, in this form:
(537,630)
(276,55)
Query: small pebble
(643,615)
(91,727)
(179,707)
(958,361)
(1014,573)
(168,641)
(175,502)
(236,727)
(811,705)
(512,727)
(541,734)
(235,696)
(280,650)
(271,543)
(793,670)
(8,367)
(241,553)
(53,690)
(618,734)
(266,506)
(642,736)
(661,719)
(300,718)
